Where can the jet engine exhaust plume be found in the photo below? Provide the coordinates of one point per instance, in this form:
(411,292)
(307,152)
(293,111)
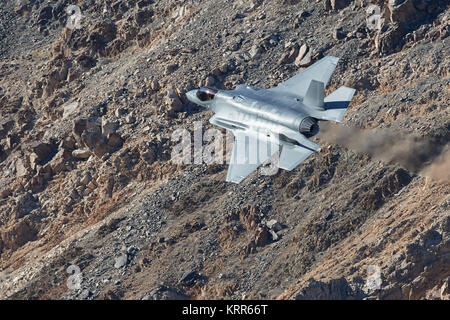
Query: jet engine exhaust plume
(439,169)
(410,152)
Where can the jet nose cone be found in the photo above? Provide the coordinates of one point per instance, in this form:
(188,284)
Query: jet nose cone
(192,96)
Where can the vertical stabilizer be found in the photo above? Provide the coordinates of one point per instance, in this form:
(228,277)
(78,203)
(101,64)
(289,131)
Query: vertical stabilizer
(314,95)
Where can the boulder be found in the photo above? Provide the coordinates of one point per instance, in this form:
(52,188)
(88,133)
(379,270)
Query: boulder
(261,237)
(69,109)
(274,225)
(403,13)
(445,289)
(422,4)
(60,161)
(334,289)
(81,153)
(11,141)
(338,34)
(68,143)
(21,169)
(273,235)
(41,153)
(395,2)
(78,126)
(120,112)
(95,141)
(306,60)
(24,204)
(190,277)
(179,13)
(339,4)
(289,55)
(21,7)
(109,126)
(115,141)
(173,102)
(18,234)
(255,51)
(6,125)
(86,62)
(301,54)
(130,118)
(148,156)
(45,172)
(390,40)
(210,81)
(121,261)
(45,15)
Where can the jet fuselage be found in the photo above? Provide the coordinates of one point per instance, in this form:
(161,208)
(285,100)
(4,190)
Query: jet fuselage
(284,116)
(252,108)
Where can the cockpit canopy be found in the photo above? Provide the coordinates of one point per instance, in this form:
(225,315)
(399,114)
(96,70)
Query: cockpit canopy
(206,93)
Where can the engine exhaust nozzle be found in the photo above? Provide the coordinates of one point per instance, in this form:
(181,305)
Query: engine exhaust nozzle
(308,127)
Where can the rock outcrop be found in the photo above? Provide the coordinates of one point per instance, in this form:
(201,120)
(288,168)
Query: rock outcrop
(88,114)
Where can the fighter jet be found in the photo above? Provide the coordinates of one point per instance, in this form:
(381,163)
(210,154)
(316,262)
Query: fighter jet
(284,116)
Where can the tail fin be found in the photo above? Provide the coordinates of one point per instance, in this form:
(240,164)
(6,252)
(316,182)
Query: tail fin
(336,103)
(314,95)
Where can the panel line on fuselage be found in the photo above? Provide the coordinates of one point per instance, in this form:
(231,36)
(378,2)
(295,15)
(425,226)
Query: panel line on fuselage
(259,111)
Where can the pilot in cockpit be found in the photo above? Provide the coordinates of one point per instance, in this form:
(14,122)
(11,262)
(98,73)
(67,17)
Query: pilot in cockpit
(206,93)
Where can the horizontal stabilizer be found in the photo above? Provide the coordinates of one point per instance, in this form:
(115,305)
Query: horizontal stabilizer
(299,139)
(336,104)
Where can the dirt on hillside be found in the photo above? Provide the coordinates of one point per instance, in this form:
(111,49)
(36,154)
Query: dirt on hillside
(92,207)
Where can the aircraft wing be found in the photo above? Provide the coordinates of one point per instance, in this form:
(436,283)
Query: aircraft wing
(291,156)
(298,85)
(250,150)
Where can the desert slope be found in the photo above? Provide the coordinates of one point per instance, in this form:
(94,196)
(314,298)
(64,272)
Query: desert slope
(86,119)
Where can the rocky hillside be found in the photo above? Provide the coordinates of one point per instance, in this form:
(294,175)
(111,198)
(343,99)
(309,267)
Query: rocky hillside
(90,97)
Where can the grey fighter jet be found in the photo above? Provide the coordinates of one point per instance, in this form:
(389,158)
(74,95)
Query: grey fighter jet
(285,116)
